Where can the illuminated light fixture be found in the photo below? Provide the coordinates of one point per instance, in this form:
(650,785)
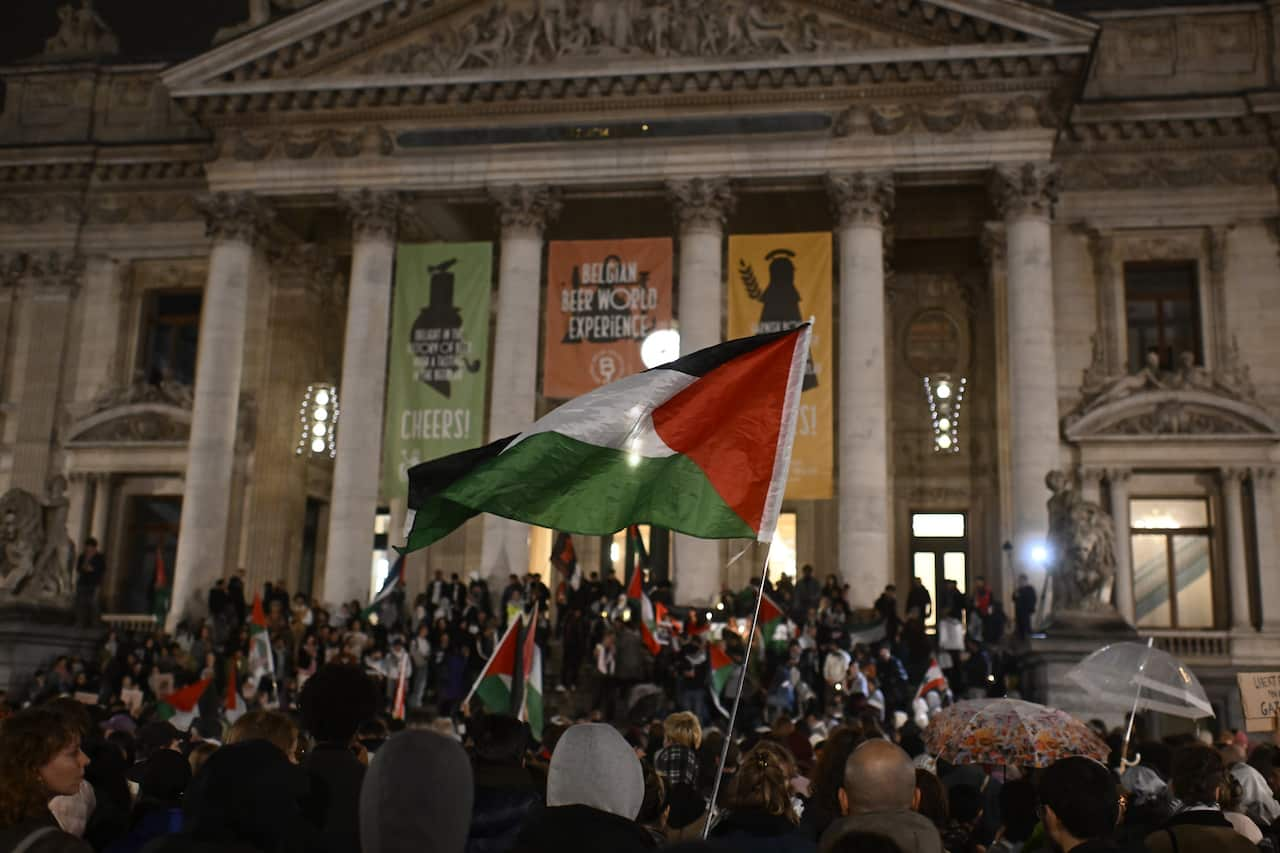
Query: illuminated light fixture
(660,347)
(318,421)
(945,395)
(1039,554)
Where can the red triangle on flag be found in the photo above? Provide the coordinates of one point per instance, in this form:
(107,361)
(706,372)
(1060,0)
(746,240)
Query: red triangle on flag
(769,610)
(186,698)
(258,617)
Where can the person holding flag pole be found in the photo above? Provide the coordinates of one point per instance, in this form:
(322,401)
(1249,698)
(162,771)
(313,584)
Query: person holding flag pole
(701,445)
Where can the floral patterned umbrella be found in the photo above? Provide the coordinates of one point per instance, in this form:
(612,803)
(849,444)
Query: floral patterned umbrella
(1009,732)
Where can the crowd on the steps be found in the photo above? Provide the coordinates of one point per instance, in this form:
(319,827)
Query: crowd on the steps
(307,750)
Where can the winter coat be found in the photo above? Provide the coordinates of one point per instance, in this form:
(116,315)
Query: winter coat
(333,802)
(1198,829)
(505,798)
(581,829)
(54,840)
(911,831)
(757,832)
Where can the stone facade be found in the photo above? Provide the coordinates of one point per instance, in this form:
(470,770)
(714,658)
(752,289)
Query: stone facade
(994,167)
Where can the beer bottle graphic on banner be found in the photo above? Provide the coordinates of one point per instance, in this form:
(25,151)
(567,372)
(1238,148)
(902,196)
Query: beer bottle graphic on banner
(439,346)
(780,298)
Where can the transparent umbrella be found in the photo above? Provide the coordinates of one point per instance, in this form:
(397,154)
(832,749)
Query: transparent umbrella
(1140,677)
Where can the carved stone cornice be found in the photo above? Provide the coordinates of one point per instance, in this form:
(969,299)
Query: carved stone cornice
(526,207)
(54,272)
(1168,170)
(861,199)
(993,113)
(234,216)
(374,215)
(1029,189)
(304,143)
(701,203)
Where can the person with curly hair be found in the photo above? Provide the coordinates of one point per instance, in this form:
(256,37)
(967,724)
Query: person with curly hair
(272,726)
(40,759)
(762,815)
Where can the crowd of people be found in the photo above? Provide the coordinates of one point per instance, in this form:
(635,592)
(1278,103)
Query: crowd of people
(309,750)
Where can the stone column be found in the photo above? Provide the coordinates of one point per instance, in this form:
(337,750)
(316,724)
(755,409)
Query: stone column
(1118,482)
(99,327)
(1263,479)
(1025,195)
(701,208)
(234,222)
(1237,557)
(862,203)
(361,393)
(50,281)
(523,215)
(99,523)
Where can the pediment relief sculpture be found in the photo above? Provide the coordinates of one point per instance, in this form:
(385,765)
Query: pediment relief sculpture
(133,423)
(165,390)
(541,32)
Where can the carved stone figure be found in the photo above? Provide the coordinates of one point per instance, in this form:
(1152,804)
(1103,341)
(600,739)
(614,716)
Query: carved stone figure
(141,390)
(1147,377)
(1082,549)
(82,34)
(35,550)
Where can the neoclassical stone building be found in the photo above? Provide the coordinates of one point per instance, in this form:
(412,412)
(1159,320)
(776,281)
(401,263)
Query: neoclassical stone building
(1070,206)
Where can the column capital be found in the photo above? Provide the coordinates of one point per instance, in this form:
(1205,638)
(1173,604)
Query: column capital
(702,202)
(861,198)
(1090,474)
(1262,474)
(53,274)
(1029,189)
(1233,476)
(374,215)
(234,216)
(530,207)
(1117,476)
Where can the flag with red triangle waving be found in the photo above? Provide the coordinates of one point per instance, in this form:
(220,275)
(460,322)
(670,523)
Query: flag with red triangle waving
(934,679)
(648,620)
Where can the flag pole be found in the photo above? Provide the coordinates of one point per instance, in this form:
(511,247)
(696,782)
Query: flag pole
(480,677)
(737,700)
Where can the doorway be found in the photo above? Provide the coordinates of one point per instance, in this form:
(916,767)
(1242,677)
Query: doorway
(151,525)
(939,553)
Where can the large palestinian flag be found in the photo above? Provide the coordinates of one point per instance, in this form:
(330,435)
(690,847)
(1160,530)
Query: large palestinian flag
(700,445)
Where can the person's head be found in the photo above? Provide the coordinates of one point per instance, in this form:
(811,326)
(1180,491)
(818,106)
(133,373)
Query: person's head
(164,780)
(806,570)
(1022,580)
(964,802)
(336,700)
(200,754)
(1018,808)
(1198,775)
(90,546)
(1266,760)
(395,817)
(932,802)
(1079,801)
(763,782)
(271,726)
(878,777)
(828,774)
(594,766)
(682,729)
(40,759)
(156,736)
(500,740)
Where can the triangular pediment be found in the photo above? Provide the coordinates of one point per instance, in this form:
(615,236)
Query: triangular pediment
(375,41)
(1172,414)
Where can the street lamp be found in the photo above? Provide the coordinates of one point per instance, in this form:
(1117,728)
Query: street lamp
(660,347)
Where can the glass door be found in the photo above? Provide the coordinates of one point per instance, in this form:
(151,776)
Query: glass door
(939,553)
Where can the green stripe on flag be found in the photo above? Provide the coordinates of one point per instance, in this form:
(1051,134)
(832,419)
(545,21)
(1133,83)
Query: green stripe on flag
(495,693)
(555,481)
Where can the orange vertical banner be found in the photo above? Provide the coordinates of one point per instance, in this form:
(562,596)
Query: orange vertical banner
(604,297)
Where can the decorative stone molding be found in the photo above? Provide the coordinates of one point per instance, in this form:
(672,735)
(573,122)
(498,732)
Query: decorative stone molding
(1117,475)
(54,272)
(702,203)
(525,207)
(993,113)
(252,146)
(1026,190)
(1090,476)
(132,423)
(861,199)
(1262,475)
(1233,475)
(82,34)
(1165,413)
(374,215)
(234,216)
(1171,170)
(168,392)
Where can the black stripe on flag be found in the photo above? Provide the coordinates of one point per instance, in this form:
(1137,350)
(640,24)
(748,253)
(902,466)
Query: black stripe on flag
(704,361)
(430,478)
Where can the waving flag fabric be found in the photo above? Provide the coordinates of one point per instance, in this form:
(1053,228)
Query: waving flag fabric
(700,445)
(493,686)
(648,619)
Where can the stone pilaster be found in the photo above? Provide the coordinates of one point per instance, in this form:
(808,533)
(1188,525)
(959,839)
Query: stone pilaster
(524,212)
(1025,196)
(1237,555)
(1262,478)
(361,393)
(1118,484)
(233,224)
(701,207)
(862,203)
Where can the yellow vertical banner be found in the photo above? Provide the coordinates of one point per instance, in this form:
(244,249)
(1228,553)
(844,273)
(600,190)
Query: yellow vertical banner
(776,282)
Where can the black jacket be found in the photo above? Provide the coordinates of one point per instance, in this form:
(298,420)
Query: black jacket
(333,803)
(581,829)
(757,832)
(52,841)
(505,798)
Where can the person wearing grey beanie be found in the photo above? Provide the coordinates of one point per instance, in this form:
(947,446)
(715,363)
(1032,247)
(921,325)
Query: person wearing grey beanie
(595,787)
(417,796)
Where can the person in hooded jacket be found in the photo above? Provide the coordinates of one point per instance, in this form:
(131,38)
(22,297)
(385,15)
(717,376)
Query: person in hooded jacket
(505,794)
(595,788)
(761,814)
(1254,802)
(405,807)
(246,799)
(158,811)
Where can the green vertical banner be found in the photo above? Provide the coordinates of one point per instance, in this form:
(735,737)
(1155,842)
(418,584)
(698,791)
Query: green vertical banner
(439,352)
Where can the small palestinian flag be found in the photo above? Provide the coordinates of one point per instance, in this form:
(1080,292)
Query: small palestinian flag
(771,619)
(723,668)
(565,558)
(395,578)
(635,547)
(701,446)
(402,680)
(531,657)
(182,706)
(663,617)
(934,679)
(493,686)
(162,589)
(648,620)
(233,707)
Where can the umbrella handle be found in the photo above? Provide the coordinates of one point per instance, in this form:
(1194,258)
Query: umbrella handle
(1128,732)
